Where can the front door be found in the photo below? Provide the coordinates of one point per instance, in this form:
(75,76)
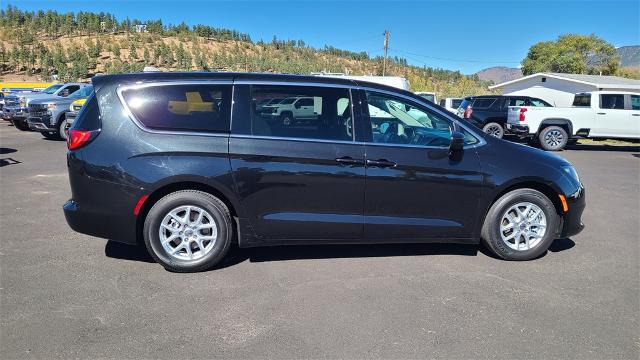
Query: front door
(414,189)
(304,180)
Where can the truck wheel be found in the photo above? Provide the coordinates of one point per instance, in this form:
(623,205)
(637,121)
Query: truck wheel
(63,129)
(188,231)
(20,125)
(553,138)
(521,225)
(287,118)
(494,129)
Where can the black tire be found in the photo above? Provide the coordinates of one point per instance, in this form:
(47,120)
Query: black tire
(50,135)
(286,118)
(494,129)
(21,125)
(63,129)
(553,138)
(492,238)
(206,201)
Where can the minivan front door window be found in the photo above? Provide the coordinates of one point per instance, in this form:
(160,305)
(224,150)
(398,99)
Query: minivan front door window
(395,121)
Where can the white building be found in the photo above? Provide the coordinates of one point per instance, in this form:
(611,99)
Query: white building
(558,89)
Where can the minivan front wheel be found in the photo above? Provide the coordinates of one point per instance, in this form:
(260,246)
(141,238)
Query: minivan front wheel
(188,231)
(521,225)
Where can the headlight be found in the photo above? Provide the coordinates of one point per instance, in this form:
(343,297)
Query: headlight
(23,102)
(571,171)
(51,106)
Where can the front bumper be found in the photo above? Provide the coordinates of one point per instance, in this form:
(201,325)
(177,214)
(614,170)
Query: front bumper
(17,113)
(572,219)
(517,129)
(41,124)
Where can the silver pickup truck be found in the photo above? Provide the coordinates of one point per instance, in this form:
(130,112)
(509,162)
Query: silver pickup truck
(16,105)
(48,115)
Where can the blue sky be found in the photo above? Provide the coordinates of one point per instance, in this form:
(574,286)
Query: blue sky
(457,35)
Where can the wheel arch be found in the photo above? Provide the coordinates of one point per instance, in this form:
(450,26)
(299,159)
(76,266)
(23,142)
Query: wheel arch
(536,184)
(566,123)
(166,189)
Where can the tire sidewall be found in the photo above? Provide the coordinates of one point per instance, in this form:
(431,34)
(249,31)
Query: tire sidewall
(170,202)
(510,199)
(61,129)
(543,134)
(486,126)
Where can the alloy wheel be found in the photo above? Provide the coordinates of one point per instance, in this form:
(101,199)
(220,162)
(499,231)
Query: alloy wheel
(188,233)
(554,138)
(523,226)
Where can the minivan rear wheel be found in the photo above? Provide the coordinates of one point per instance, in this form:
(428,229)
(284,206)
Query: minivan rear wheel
(521,225)
(188,231)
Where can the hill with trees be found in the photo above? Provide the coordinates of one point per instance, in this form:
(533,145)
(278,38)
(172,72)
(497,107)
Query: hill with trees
(77,46)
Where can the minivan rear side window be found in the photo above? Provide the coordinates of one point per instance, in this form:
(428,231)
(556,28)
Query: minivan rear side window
(89,116)
(307,112)
(181,107)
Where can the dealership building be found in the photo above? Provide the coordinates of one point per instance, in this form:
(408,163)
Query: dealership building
(558,89)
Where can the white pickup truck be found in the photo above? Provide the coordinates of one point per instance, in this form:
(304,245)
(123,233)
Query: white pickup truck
(597,114)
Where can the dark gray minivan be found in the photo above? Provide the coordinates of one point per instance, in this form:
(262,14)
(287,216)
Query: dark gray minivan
(190,163)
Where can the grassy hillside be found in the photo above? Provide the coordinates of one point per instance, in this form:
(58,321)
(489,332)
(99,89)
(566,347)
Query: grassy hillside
(77,46)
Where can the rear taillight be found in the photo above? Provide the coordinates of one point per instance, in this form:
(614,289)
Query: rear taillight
(522,111)
(80,138)
(468,111)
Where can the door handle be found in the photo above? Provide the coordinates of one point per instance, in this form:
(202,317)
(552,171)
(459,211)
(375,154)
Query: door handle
(635,114)
(602,113)
(381,163)
(348,160)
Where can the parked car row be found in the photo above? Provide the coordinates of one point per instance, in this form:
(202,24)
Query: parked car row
(45,111)
(596,115)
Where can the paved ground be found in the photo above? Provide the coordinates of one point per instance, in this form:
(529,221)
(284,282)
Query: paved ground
(68,295)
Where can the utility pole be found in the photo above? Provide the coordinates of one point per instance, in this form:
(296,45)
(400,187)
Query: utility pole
(386,48)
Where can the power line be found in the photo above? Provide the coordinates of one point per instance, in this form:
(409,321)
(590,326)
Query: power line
(450,59)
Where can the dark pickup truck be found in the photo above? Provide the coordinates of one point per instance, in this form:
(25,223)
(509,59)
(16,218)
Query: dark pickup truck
(489,112)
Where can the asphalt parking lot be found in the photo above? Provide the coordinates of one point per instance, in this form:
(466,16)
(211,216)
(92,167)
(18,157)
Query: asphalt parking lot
(66,295)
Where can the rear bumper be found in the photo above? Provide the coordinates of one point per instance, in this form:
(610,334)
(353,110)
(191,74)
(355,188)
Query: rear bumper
(102,226)
(572,220)
(518,129)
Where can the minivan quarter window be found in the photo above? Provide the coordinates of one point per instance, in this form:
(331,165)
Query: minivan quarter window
(180,107)
(307,112)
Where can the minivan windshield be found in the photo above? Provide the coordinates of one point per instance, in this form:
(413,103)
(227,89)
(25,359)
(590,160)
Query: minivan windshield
(52,89)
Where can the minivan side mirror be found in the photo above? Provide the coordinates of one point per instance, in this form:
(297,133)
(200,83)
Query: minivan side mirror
(457,142)
(64,92)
